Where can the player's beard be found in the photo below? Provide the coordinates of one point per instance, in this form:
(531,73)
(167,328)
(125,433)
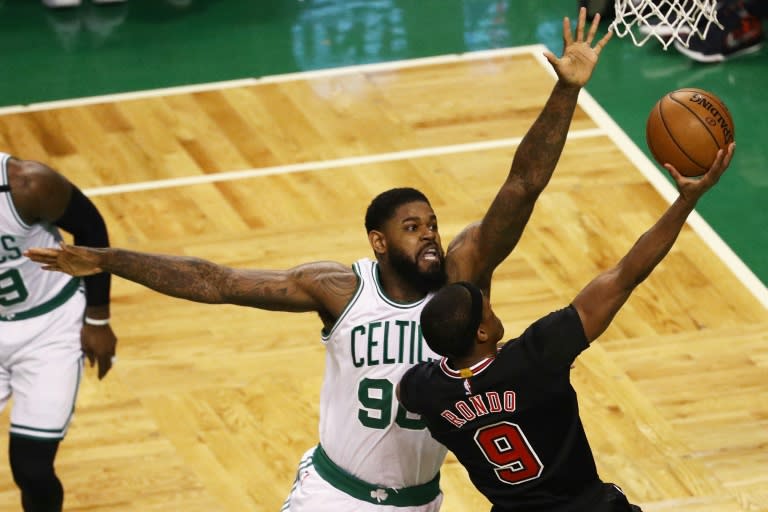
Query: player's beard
(408,268)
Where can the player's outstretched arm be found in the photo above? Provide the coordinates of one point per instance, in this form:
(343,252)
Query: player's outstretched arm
(491,241)
(602,298)
(321,286)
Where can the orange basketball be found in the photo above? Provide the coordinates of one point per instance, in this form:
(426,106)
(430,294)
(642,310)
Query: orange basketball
(686,128)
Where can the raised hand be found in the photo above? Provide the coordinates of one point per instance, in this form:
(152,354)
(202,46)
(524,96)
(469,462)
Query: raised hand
(70,259)
(579,58)
(693,188)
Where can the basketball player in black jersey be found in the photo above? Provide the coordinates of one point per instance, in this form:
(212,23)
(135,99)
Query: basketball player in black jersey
(510,414)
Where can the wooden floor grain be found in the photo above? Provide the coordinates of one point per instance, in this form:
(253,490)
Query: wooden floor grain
(209,408)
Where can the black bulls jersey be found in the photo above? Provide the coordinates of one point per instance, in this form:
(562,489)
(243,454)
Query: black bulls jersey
(514,424)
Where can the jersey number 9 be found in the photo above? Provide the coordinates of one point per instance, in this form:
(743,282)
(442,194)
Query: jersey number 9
(506,448)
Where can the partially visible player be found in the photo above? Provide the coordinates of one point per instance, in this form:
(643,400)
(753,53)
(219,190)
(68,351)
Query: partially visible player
(373,456)
(742,32)
(510,414)
(47,321)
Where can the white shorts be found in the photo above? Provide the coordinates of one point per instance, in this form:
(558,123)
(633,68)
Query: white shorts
(41,362)
(312,493)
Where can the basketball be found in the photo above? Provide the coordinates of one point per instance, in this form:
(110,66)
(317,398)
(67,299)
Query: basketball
(686,128)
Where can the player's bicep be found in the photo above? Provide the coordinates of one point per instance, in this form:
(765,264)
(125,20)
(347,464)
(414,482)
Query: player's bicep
(599,302)
(485,244)
(267,289)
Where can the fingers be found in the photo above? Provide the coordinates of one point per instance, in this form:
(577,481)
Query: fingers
(729,154)
(41,255)
(103,361)
(90,356)
(46,257)
(593,29)
(581,23)
(551,58)
(718,163)
(105,364)
(567,36)
(723,158)
(674,173)
(48,262)
(602,42)
(43,251)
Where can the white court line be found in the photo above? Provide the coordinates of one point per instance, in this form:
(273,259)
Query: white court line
(325,164)
(271,79)
(667,190)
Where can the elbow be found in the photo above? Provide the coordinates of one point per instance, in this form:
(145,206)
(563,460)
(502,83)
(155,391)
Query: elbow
(628,278)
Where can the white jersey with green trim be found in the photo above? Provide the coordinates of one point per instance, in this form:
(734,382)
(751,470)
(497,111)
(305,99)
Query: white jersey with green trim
(23,284)
(363,428)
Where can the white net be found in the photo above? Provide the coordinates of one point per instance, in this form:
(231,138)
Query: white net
(665,20)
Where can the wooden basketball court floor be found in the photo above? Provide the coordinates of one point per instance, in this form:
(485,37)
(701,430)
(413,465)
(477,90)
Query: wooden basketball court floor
(209,408)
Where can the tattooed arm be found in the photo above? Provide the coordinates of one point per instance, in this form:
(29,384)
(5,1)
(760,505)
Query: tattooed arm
(325,287)
(481,247)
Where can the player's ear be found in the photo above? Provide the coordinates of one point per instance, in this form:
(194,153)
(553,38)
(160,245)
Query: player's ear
(482,334)
(378,241)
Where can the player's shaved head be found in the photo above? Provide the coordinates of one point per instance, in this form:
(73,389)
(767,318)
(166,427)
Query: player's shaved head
(450,319)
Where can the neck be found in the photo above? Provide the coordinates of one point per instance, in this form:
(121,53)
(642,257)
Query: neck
(480,353)
(396,287)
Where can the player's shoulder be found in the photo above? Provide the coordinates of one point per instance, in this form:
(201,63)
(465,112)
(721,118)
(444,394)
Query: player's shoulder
(553,324)
(414,385)
(29,177)
(331,279)
(332,267)
(566,317)
(38,192)
(554,339)
(464,240)
(462,255)
(327,271)
(423,372)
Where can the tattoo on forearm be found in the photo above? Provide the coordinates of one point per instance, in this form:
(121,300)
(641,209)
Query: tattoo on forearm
(188,278)
(541,147)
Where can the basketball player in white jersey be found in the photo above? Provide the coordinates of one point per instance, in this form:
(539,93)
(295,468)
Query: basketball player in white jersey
(47,321)
(373,456)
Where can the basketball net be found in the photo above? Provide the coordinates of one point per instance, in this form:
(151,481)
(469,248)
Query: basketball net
(666,20)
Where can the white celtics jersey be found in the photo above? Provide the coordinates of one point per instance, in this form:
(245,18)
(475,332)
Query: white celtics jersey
(363,428)
(24,287)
